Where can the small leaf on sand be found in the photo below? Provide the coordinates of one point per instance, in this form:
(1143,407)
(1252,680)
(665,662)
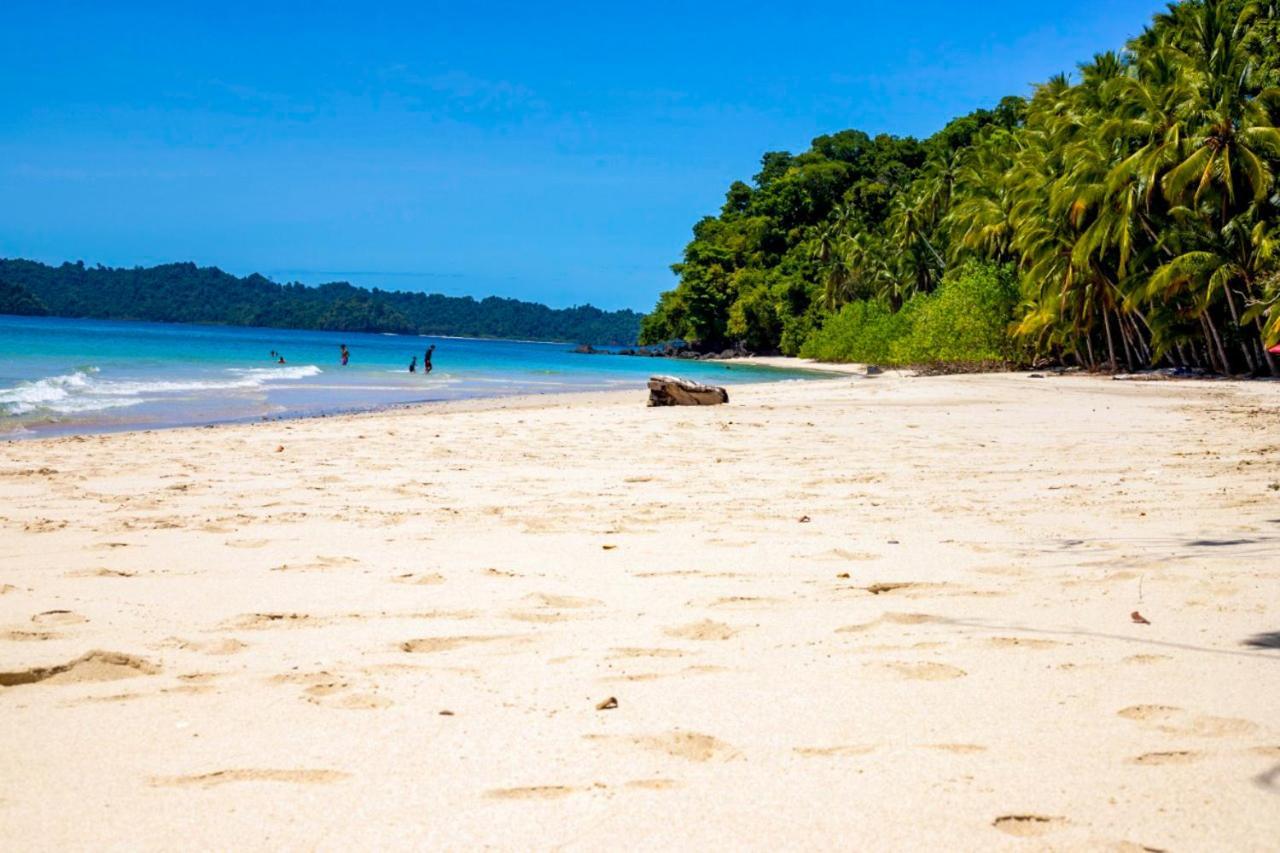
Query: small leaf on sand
(607,705)
(1138,618)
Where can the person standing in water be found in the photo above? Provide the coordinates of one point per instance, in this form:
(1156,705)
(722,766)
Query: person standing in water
(426,359)
(413,365)
(345,353)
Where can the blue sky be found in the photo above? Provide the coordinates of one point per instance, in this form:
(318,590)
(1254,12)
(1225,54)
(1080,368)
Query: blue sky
(555,152)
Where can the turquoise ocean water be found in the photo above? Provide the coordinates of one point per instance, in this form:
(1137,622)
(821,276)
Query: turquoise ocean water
(73,376)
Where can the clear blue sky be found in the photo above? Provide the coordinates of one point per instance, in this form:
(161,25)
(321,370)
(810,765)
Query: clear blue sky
(557,152)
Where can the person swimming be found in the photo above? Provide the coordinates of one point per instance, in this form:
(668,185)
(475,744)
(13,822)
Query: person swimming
(413,365)
(281,359)
(426,359)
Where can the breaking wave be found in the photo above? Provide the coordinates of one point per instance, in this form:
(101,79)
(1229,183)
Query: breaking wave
(81,391)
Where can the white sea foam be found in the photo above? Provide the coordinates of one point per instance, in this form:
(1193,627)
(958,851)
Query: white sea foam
(81,391)
(42,393)
(299,372)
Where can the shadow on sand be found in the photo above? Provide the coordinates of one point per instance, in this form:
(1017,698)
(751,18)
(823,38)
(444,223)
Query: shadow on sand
(1267,640)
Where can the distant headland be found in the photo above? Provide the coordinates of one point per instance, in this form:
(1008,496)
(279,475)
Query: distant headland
(186,293)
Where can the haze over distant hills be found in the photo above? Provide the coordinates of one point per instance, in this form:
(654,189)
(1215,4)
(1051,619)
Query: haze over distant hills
(186,293)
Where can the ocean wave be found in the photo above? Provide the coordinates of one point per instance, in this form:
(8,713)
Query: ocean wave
(299,372)
(80,391)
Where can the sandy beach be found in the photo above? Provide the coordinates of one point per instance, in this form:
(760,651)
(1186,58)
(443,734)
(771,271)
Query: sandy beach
(881,613)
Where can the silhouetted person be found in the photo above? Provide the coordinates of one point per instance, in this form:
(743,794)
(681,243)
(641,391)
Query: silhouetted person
(413,365)
(345,353)
(426,359)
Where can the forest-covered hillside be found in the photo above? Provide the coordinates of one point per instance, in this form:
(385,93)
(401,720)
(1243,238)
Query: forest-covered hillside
(16,299)
(1127,215)
(185,293)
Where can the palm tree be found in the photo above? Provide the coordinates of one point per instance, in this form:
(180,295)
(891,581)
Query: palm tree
(909,226)
(1223,185)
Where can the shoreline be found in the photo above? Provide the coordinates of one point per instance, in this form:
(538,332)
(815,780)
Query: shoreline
(468,404)
(474,403)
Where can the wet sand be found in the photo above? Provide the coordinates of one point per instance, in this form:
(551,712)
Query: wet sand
(856,613)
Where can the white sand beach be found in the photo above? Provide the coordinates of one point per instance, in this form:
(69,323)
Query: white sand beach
(857,613)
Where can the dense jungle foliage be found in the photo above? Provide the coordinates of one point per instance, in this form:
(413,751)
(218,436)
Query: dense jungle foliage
(1125,217)
(15,299)
(185,293)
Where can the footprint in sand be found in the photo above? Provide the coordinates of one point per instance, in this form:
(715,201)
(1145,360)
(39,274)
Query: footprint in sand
(444,644)
(499,573)
(702,669)
(883,588)
(572,602)
(707,629)
(890,619)
(744,602)
(1162,758)
(224,646)
(58,617)
(653,784)
(419,578)
(1028,825)
(93,666)
(1167,718)
(31,636)
(223,777)
(958,748)
(333,691)
(243,543)
(1021,643)
(842,554)
(633,652)
(1146,659)
(690,746)
(534,792)
(275,620)
(319,564)
(919,589)
(542,616)
(832,751)
(918,671)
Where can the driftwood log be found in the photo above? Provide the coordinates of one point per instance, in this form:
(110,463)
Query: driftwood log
(674,391)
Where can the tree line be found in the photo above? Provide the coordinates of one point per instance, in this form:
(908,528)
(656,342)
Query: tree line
(185,293)
(1124,217)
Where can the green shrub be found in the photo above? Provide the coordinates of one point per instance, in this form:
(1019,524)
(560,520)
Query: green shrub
(966,320)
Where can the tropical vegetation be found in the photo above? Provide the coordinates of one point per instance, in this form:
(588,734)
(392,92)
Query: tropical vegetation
(1127,216)
(185,293)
